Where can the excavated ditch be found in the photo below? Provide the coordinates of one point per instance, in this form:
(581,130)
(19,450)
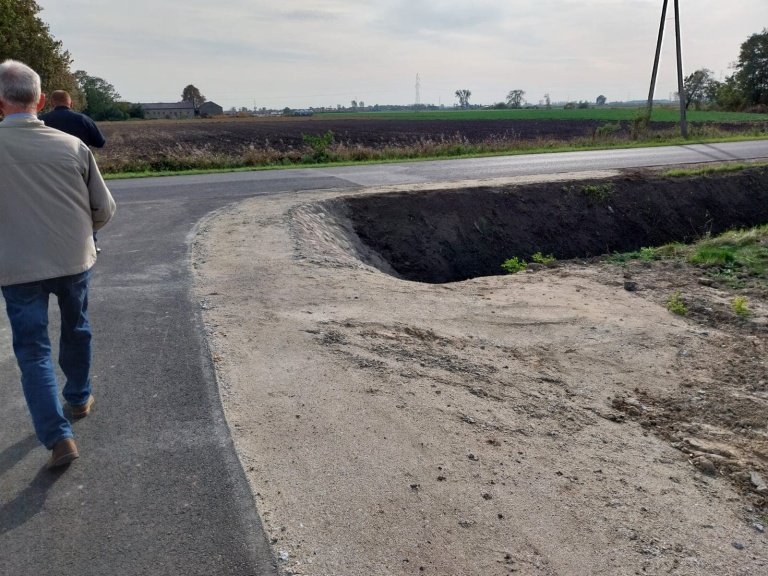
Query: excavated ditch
(711,403)
(444,236)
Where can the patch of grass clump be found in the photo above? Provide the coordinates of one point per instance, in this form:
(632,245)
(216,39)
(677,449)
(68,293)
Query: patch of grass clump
(736,251)
(541,259)
(645,254)
(739,305)
(514,265)
(732,257)
(718,255)
(672,250)
(640,125)
(597,192)
(707,170)
(319,146)
(676,305)
(607,130)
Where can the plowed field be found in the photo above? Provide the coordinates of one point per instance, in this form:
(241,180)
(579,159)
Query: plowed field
(140,140)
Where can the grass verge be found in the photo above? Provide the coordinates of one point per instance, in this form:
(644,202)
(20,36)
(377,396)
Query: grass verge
(707,170)
(735,257)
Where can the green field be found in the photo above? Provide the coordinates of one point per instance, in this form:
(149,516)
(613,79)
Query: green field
(606,114)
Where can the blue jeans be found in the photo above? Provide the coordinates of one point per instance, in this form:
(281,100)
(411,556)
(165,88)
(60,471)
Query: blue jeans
(27,307)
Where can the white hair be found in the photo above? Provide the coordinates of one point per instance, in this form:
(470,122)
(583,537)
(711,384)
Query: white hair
(19,84)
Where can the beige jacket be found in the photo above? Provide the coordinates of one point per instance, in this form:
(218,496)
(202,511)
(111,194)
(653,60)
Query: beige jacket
(52,198)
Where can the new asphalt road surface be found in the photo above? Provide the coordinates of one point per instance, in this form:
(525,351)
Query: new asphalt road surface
(158,488)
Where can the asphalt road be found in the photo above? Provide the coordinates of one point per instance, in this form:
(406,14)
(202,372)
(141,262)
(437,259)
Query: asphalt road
(158,488)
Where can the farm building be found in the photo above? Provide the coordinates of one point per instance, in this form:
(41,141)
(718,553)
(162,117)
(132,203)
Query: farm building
(172,110)
(210,109)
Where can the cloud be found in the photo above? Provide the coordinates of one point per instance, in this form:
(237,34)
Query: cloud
(304,52)
(314,16)
(408,17)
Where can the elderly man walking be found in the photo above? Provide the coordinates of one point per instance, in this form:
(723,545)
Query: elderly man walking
(52,197)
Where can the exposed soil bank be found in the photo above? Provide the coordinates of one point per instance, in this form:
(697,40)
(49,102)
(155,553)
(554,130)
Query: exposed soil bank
(447,236)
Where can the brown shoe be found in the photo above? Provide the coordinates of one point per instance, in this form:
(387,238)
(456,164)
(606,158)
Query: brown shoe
(84,410)
(64,452)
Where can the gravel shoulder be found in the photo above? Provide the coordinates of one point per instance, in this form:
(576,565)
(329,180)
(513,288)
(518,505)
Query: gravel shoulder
(507,424)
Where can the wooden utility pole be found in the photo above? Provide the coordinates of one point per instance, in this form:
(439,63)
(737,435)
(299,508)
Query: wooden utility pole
(680,83)
(656,60)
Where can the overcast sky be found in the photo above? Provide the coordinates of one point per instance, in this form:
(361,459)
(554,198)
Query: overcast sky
(302,53)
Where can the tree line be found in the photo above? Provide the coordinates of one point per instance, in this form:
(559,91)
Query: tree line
(25,37)
(744,90)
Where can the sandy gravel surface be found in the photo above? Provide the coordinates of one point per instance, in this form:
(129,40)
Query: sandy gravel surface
(391,427)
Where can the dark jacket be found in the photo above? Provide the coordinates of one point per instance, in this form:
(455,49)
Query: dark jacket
(67,120)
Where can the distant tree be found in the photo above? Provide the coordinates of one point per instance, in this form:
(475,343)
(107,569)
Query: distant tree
(601,100)
(515,98)
(130,110)
(136,111)
(700,87)
(729,95)
(287,111)
(25,37)
(101,98)
(500,105)
(752,69)
(354,104)
(362,105)
(547,101)
(463,96)
(192,94)
(583,105)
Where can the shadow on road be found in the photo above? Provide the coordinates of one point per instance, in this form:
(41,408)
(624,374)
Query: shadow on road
(29,501)
(16,453)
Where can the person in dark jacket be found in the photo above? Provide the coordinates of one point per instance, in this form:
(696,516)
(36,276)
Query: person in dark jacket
(63,118)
